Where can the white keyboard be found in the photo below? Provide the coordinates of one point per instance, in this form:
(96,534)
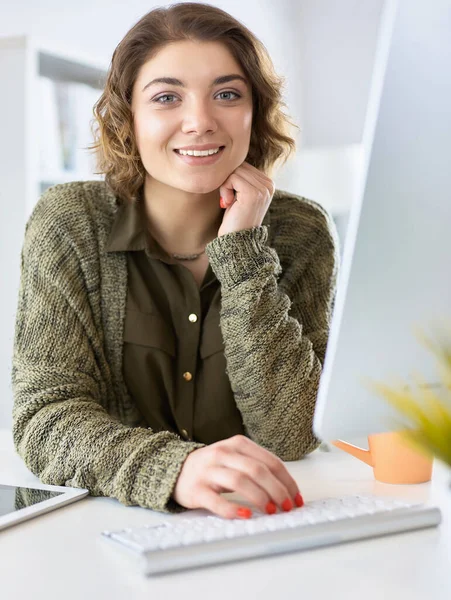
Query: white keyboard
(181,543)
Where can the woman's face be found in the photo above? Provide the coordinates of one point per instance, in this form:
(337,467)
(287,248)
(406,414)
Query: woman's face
(192,111)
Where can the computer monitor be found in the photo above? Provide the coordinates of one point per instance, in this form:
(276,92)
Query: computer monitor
(396,267)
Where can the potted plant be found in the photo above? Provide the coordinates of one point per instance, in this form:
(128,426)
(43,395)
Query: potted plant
(428,412)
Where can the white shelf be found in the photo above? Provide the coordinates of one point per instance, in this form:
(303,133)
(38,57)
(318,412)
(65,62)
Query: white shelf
(23,60)
(66,176)
(65,69)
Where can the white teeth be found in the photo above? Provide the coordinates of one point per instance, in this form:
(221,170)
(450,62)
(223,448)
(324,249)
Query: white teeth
(198,152)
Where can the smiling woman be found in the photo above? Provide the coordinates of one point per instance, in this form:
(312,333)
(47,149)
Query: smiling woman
(200,111)
(173,319)
(244,69)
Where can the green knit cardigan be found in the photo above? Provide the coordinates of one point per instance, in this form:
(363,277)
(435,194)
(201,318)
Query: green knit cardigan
(74,422)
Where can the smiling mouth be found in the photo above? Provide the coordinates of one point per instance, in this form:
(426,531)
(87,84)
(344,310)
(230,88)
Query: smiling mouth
(220,148)
(201,161)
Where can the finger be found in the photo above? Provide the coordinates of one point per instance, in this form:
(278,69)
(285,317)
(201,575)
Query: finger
(239,482)
(259,174)
(262,190)
(246,446)
(260,474)
(252,178)
(227,191)
(236,184)
(218,505)
(262,177)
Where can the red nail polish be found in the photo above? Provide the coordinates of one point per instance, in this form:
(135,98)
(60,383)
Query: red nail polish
(287,505)
(222,204)
(243,513)
(299,500)
(271,508)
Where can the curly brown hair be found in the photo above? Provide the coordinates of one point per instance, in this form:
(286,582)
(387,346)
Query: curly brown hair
(114,141)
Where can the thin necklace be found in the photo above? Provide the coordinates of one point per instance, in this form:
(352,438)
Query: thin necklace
(187,256)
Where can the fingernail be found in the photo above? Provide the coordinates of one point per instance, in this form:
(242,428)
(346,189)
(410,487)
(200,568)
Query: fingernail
(287,505)
(222,204)
(243,513)
(271,508)
(299,500)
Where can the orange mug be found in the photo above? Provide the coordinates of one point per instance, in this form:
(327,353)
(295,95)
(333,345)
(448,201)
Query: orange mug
(393,459)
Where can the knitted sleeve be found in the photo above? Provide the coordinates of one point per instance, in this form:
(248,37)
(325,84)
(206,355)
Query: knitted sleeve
(61,427)
(274,359)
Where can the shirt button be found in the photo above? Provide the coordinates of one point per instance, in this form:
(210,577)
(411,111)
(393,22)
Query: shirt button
(185,434)
(192,318)
(187,376)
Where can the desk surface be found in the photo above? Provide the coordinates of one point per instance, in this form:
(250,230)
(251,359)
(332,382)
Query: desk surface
(61,555)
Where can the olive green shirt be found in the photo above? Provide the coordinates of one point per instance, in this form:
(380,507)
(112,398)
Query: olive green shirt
(173,358)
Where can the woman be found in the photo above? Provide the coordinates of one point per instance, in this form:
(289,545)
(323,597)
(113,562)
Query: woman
(172,321)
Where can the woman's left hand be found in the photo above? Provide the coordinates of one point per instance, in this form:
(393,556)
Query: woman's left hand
(254,192)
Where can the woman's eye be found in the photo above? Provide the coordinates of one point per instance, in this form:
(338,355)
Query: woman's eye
(164,96)
(233,93)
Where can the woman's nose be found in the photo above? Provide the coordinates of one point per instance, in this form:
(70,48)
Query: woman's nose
(199,118)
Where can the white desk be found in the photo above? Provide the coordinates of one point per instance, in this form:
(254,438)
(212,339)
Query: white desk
(61,555)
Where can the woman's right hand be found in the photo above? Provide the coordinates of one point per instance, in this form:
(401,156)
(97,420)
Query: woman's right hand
(236,464)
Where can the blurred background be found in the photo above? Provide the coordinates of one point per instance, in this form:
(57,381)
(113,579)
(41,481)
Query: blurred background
(54,56)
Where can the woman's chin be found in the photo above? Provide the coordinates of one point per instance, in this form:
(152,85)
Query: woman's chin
(200,188)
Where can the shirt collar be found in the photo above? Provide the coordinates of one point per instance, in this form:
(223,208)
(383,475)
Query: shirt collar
(129,233)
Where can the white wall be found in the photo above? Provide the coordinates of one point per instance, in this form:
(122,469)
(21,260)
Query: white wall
(323,48)
(338,41)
